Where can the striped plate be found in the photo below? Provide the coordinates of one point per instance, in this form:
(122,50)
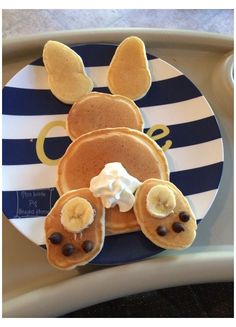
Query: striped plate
(176,115)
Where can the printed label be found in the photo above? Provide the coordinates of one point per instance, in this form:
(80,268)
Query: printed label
(35,203)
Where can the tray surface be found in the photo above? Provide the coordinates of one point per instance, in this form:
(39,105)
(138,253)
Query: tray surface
(176,116)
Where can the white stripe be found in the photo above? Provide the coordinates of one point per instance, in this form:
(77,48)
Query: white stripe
(35,77)
(161,70)
(43,176)
(195,156)
(28,177)
(177,113)
(30,77)
(27,127)
(33,228)
(201,202)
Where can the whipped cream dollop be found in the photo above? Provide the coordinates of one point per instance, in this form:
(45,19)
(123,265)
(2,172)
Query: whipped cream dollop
(115,186)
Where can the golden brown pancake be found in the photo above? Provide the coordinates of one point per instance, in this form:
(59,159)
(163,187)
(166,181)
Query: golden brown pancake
(94,233)
(88,154)
(128,72)
(101,110)
(67,77)
(177,230)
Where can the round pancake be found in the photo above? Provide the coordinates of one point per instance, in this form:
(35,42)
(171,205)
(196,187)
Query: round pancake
(149,224)
(95,232)
(101,110)
(88,154)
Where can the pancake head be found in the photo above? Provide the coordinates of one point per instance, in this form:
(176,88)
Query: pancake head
(101,110)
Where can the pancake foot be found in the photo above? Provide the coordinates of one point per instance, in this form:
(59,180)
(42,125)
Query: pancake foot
(164,215)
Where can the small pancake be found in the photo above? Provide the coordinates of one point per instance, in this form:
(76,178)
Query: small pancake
(101,110)
(120,222)
(128,72)
(149,224)
(67,77)
(94,232)
(88,154)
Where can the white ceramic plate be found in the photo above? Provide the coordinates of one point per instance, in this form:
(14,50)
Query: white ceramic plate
(176,115)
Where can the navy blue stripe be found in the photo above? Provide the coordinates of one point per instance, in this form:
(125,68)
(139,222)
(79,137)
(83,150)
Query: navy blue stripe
(93,54)
(30,203)
(195,132)
(29,102)
(22,151)
(170,90)
(190,181)
(198,180)
(18,101)
(166,91)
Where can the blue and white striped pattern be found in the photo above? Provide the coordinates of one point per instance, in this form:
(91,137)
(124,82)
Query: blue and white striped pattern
(195,157)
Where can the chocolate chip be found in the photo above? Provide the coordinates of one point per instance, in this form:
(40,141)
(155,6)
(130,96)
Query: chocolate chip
(161,230)
(68,249)
(87,246)
(184,217)
(177,227)
(55,238)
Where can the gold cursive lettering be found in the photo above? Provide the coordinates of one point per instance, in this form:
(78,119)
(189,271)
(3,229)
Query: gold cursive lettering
(164,132)
(41,139)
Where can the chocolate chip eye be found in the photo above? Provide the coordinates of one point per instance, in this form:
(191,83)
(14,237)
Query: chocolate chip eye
(184,217)
(55,238)
(87,246)
(68,249)
(161,230)
(177,227)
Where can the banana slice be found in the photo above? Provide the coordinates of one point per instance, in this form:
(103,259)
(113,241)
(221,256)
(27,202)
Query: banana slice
(77,214)
(160,201)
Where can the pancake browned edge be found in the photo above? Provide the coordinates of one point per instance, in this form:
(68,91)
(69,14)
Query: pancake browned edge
(128,73)
(94,232)
(87,155)
(172,239)
(98,110)
(67,78)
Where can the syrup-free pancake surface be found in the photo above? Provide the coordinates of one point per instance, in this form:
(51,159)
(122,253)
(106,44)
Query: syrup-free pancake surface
(94,234)
(101,110)
(175,231)
(128,72)
(88,154)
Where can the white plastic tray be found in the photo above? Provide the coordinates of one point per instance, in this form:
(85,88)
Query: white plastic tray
(30,285)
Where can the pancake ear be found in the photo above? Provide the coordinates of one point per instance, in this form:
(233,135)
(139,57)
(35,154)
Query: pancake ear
(128,73)
(67,78)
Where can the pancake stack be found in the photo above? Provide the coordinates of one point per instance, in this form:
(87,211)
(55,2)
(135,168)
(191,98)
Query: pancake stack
(106,128)
(88,154)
